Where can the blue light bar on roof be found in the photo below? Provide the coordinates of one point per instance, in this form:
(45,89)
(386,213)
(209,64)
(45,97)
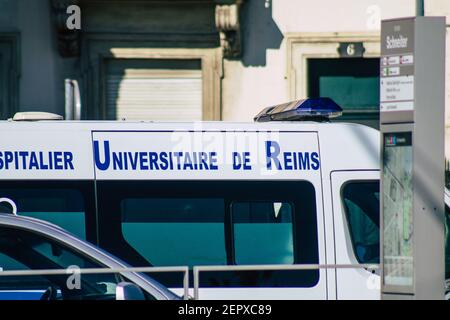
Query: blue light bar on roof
(314,109)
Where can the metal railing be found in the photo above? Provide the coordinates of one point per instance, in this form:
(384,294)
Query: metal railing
(280,267)
(184,270)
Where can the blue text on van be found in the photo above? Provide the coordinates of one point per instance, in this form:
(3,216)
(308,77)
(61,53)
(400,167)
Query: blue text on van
(173,160)
(31,160)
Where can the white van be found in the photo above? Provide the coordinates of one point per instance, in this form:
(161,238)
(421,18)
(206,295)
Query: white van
(211,193)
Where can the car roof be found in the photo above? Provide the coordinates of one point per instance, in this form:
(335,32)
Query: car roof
(28,221)
(32,223)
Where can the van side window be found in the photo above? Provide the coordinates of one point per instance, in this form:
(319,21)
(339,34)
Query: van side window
(65,205)
(170,232)
(361,203)
(195,222)
(262,233)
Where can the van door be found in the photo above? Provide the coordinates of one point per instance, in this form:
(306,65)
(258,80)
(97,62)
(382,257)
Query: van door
(356,213)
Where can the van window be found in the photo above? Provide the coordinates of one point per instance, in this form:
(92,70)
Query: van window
(64,208)
(362,207)
(175,223)
(65,204)
(262,233)
(170,232)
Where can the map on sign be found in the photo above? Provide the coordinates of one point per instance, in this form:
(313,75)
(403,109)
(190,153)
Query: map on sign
(397,209)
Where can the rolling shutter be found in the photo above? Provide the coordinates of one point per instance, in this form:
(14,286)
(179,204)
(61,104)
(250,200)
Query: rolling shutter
(143,90)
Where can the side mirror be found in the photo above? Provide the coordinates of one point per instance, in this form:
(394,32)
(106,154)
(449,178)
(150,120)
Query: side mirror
(128,291)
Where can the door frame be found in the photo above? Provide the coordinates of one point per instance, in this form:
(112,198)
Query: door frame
(305,45)
(94,70)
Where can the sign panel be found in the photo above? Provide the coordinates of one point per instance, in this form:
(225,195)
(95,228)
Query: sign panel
(397,68)
(397,93)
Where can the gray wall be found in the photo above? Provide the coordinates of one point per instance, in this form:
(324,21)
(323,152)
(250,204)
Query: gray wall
(39,63)
(39,88)
(43,70)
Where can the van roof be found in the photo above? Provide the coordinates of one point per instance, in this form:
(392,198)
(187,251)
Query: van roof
(310,125)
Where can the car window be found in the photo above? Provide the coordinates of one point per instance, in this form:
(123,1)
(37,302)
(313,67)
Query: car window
(18,287)
(25,250)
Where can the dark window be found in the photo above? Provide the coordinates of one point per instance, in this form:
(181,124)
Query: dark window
(20,287)
(352,82)
(167,223)
(171,232)
(263,233)
(69,205)
(24,250)
(361,201)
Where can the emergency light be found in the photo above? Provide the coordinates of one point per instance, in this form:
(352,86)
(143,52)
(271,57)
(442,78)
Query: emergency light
(314,109)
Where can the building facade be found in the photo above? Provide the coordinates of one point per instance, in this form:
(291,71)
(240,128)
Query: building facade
(195,59)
